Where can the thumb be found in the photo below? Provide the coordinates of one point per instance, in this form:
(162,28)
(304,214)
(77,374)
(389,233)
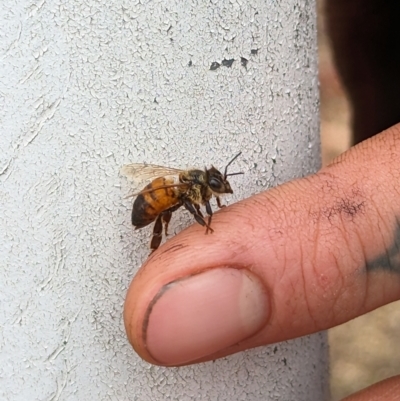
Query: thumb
(299,258)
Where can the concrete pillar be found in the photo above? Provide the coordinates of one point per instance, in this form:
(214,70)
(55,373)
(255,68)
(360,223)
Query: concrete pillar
(87,86)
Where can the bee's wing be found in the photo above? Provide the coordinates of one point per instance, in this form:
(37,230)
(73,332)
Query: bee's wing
(140,173)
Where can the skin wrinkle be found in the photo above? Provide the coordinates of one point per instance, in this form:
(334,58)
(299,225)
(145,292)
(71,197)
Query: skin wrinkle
(289,242)
(361,247)
(175,248)
(272,240)
(266,204)
(273,210)
(338,297)
(328,180)
(365,285)
(316,241)
(306,298)
(242,210)
(278,278)
(282,272)
(341,293)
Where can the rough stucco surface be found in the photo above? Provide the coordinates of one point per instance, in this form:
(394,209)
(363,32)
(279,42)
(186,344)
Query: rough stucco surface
(87,86)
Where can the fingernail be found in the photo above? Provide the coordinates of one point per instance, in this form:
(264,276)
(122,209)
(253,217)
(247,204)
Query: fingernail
(197,316)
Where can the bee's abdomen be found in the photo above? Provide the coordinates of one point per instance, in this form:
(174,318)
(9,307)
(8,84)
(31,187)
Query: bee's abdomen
(142,213)
(149,205)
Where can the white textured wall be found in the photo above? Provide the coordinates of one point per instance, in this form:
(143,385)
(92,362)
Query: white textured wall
(86,86)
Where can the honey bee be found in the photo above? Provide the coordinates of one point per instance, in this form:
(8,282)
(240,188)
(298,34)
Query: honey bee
(172,188)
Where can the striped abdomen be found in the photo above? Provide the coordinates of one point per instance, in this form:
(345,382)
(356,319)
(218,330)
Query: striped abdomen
(148,205)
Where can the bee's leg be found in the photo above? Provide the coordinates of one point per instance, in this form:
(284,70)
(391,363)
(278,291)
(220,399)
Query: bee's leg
(219,202)
(166,217)
(199,218)
(210,213)
(201,214)
(198,210)
(157,234)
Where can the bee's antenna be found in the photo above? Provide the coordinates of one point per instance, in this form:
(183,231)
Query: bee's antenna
(226,168)
(227,175)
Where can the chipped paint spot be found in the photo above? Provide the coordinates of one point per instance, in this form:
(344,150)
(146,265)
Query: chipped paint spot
(227,63)
(214,66)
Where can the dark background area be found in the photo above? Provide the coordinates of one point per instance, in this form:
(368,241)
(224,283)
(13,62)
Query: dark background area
(367,349)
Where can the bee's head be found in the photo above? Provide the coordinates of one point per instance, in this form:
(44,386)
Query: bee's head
(218,182)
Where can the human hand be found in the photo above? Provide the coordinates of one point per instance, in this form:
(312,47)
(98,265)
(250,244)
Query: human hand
(303,257)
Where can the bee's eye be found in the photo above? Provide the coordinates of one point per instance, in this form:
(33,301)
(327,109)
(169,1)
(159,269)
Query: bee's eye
(214,184)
